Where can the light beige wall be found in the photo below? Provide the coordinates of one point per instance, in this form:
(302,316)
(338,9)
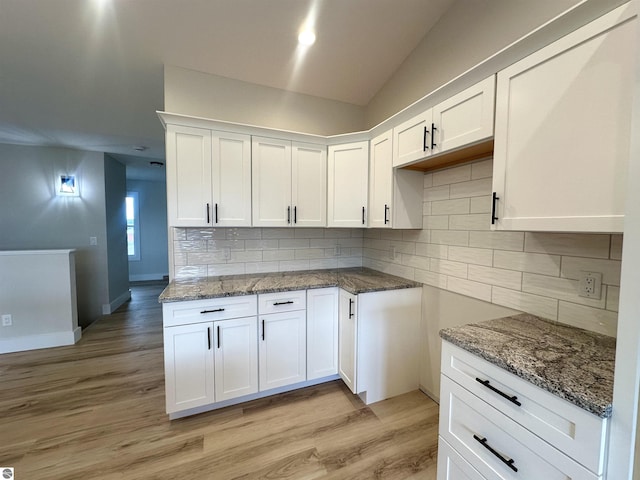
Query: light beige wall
(210,96)
(471,31)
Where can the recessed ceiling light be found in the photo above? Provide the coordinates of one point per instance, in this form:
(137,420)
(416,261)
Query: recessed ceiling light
(306,37)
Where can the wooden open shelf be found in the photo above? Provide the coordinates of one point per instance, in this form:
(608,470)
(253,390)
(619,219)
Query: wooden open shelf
(466,154)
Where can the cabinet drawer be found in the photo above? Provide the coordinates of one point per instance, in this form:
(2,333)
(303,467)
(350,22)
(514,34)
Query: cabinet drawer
(282,302)
(488,440)
(572,430)
(451,465)
(210,310)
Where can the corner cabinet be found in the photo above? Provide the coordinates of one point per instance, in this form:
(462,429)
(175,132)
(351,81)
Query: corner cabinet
(208,178)
(463,119)
(348,182)
(563,117)
(289,183)
(395,196)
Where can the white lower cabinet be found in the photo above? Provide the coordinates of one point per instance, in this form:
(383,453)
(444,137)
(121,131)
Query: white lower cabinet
(188,366)
(348,339)
(322,332)
(236,358)
(495,423)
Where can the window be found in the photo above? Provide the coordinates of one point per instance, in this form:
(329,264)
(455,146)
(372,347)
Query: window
(133,225)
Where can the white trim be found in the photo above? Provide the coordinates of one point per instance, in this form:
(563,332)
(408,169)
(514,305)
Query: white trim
(109,308)
(43,340)
(145,277)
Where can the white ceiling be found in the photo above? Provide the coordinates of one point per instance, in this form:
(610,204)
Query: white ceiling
(88,74)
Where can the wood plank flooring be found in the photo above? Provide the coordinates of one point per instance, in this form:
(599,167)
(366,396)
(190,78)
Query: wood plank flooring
(95,410)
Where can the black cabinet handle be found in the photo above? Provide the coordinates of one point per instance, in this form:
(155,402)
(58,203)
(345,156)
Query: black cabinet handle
(208,214)
(216,212)
(209,337)
(424,140)
(213,311)
(386,210)
(262,329)
(288,214)
(433,135)
(363,215)
(493,208)
(218,336)
(512,399)
(350,304)
(283,303)
(507,461)
(295,214)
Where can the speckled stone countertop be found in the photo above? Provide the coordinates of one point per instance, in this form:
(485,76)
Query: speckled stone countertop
(353,280)
(572,363)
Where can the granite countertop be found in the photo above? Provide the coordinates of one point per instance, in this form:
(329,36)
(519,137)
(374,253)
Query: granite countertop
(353,280)
(572,363)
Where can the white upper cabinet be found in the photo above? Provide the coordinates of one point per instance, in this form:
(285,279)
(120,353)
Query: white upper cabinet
(309,185)
(563,118)
(271,164)
(462,120)
(348,181)
(289,183)
(395,196)
(208,178)
(189,195)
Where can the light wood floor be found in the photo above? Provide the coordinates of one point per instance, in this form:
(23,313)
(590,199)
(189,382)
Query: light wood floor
(95,410)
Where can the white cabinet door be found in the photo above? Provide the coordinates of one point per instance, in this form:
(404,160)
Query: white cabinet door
(348,181)
(380,181)
(236,357)
(322,332)
(562,136)
(231,180)
(188,176)
(412,139)
(271,168)
(451,465)
(348,340)
(309,187)
(465,118)
(188,366)
(282,349)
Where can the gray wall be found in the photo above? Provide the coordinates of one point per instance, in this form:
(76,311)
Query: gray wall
(116,220)
(468,33)
(153,263)
(33,217)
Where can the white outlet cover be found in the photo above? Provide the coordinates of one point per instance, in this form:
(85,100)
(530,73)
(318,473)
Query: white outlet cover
(6,320)
(590,285)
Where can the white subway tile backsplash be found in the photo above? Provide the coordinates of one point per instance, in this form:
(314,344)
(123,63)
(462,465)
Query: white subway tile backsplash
(452,175)
(449,207)
(293,265)
(190,246)
(610,269)
(613,298)
(323,263)
(294,243)
(528,262)
(213,245)
(277,232)
(480,204)
(477,256)
(309,253)
(470,288)
(308,233)
(542,306)
(190,271)
(196,234)
(450,237)
(432,250)
(245,233)
(204,258)
(421,236)
(388,234)
(594,319)
(346,262)
(245,256)
(261,267)
(226,269)
(496,276)
(268,244)
(447,267)
(556,287)
(435,222)
(428,180)
(433,194)
(180,259)
(579,245)
(324,242)
(497,240)
(426,208)
(482,169)
(476,221)
(277,255)
(473,188)
(415,261)
(340,233)
(431,278)
(615,252)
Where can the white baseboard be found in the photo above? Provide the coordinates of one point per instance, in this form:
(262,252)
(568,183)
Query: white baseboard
(146,277)
(43,340)
(109,308)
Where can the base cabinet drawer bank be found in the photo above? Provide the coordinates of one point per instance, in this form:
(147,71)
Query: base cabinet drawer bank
(223,351)
(495,425)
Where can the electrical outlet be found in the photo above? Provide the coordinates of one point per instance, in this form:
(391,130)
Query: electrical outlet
(591,285)
(7,320)
(93,240)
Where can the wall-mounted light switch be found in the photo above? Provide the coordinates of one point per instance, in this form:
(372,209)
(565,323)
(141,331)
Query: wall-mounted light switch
(93,240)
(7,320)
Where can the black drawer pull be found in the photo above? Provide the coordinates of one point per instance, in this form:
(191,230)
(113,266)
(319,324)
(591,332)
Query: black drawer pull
(350,304)
(283,303)
(424,140)
(512,399)
(213,311)
(218,336)
(507,461)
(262,329)
(494,200)
(209,337)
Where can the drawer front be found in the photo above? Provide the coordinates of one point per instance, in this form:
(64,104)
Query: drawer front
(451,466)
(572,430)
(282,302)
(210,310)
(495,445)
